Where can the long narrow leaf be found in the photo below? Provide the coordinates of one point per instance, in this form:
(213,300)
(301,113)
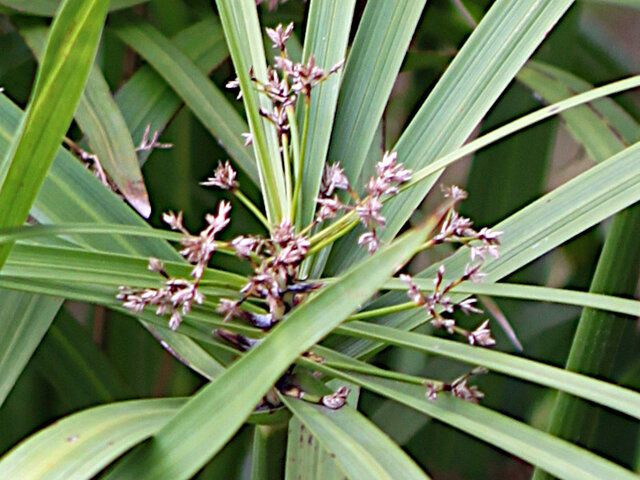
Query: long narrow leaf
(491,57)
(538,448)
(166,457)
(242,30)
(103,124)
(71,193)
(326,38)
(148,102)
(48,8)
(25,320)
(79,446)
(203,98)
(374,62)
(602,127)
(361,449)
(71,48)
(76,367)
(618,398)
(533,292)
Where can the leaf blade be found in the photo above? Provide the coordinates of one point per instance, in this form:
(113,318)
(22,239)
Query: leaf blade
(259,369)
(58,88)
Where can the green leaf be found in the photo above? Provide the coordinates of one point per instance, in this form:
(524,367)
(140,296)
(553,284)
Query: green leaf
(326,38)
(538,448)
(74,365)
(306,458)
(541,226)
(602,127)
(100,268)
(79,446)
(505,38)
(373,64)
(103,124)
(599,334)
(25,320)
(47,231)
(146,100)
(530,119)
(258,370)
(358,447)
(531,292)
(242,31)
(48,8)
(72,194)
(268,454)
(71,48)
(607,394)
(202,97)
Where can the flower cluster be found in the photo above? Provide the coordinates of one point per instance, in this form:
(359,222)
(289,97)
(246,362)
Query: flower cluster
(277,283)
(224,177)
(276,262)
(438,304)
(178,295)
(390,175)
(459,387)
(459,229)
(286,81)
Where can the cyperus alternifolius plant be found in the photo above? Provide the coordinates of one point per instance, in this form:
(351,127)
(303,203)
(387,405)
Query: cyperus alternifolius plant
(277,285)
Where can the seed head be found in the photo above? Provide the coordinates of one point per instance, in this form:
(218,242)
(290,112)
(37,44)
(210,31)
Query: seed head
(369,240)
(224,177)
(329,208)
(333,179)
(280,35)
(337,399)
(482,336)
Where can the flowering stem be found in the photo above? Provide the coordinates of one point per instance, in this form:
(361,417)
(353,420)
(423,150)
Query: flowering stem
(339,228)
(333,235)
(287,167)
(340,370)
(295,148)
(401,307)
(379,372)
(252,208)
(301,155)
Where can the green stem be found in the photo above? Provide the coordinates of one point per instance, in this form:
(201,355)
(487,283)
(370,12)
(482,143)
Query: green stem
(287,167)
(269,448)
(334,235)
(295,146)
(599,333)
(378,312)
(378,372)
(347,222)
(252,208)
(301,155)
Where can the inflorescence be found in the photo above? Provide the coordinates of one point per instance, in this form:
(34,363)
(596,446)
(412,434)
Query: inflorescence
(277,284)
